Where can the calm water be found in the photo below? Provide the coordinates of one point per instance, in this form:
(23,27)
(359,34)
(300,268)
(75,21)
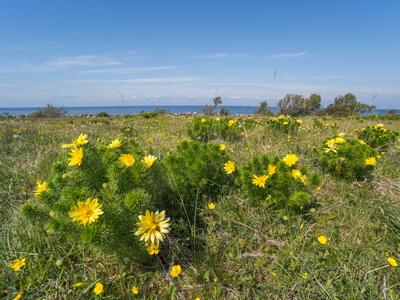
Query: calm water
(123,110)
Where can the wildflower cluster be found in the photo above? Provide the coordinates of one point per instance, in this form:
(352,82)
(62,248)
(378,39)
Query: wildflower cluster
(95,193)
(285,124)
(206,129)
(378,136)
(281,182)
(347,158)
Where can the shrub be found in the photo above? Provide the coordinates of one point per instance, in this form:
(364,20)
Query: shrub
(196,174)
(98,179)
(347,158)
(378,136)
(102,114)
(279,182)
(347,105)
(263,109)
(284,124)
(149,114)
(206,129)
(50,111)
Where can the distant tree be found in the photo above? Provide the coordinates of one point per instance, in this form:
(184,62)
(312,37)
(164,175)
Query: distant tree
(50,111)
(392,112)
(293,105)
(263,109)
(347,105)
(209,110)
(313,103)
(217,101)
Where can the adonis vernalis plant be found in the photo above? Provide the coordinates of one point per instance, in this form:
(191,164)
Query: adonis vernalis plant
(285,124)
(95,197)
(206,129)
(347,158)
(283,184)
(378,136)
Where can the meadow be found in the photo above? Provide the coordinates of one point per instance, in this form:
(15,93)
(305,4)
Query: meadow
(231,241)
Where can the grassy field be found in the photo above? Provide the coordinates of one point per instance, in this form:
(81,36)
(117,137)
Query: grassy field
(248,251)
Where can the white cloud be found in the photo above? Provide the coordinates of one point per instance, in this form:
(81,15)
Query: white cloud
(222,55)
(128,70)
(84,60)
(141,80)
(288,55)
(69,62)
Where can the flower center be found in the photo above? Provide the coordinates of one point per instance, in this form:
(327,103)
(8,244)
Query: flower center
(87,212)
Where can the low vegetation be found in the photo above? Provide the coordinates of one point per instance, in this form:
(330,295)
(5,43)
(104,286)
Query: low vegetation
(167,207)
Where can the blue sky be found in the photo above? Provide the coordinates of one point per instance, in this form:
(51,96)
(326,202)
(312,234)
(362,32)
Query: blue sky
(78,53)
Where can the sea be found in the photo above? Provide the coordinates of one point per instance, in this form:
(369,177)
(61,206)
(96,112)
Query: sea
(130,110)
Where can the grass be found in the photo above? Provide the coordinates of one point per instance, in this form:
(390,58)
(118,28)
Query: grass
(247,252)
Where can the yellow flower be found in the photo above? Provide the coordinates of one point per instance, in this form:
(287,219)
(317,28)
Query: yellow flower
(211,205)
(392,262)
(260,180)
(17,264)
(299,121)
(135,290)
(322,240)
(153,227)
(197,298)
(370,161)
(98,288)
(115,144)
(280,117)
(76,157)
(153,249)
(361,142)
(379,125)
(331,148)
(229,167)
(41,187)
(297,175)
(18,296)
(232,122)
(86,212)
(290,159)
(175,271)
(340,140)
(285,123)
(81,140)
(271,169)
(304,275)
(127,159)
(331,142)
(222,147)
(203,120)
(149,160)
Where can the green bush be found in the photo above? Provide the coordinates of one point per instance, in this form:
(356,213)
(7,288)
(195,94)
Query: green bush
(347,158)
(285,124)
(378,136)
(50,111)
(119,189)
(206,129)
(102,114)
(281,183)
(196,174)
